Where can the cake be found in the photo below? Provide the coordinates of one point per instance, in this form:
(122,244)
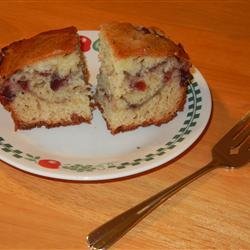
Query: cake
(44,80)
(143,76)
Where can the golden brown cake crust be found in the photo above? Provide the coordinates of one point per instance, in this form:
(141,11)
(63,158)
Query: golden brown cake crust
(27,51)
(75,120)
(127,40)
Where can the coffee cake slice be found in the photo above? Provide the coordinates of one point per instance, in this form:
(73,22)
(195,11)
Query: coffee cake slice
(143,76)
(44,80)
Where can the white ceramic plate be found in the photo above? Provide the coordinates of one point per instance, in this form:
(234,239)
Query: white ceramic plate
(90,152)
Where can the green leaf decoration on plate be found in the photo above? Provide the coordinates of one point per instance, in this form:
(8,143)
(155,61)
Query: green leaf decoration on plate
(96,45)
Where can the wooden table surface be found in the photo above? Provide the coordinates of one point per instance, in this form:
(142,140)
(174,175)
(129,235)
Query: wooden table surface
(213,212)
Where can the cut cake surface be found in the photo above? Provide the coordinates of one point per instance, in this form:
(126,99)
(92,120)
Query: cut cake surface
(143,76)
(44,80)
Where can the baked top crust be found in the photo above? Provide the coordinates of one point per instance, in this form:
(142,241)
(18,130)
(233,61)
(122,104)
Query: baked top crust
(127,40)
(28,51)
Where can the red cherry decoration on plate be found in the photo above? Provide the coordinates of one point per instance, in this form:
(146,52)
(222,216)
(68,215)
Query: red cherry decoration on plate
(85,43)
(47,163)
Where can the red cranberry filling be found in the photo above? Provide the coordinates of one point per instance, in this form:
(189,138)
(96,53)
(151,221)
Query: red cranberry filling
(24,84)
(8,93)
(139,85)
(56,82)
(167,76)
(44,73)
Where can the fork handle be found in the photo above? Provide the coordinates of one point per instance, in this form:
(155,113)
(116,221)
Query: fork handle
(107,234)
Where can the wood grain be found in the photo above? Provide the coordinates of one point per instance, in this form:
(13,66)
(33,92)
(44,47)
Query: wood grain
(213,212)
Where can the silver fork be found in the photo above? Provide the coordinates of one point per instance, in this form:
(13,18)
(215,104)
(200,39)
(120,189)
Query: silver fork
(233,150)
